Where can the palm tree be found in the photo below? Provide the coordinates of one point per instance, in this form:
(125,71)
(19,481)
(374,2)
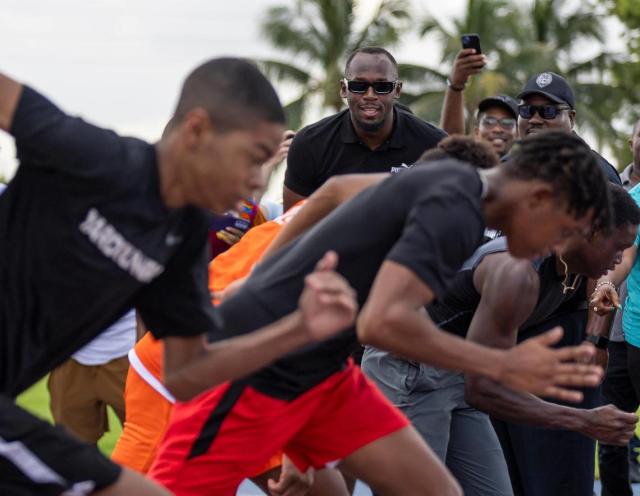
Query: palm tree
(497,23)
(318,35)
(525,38)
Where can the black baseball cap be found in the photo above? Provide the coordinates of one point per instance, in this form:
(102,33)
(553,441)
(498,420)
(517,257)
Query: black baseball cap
(504,101)
(551,85)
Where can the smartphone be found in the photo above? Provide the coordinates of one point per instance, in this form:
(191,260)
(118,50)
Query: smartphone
(471,40)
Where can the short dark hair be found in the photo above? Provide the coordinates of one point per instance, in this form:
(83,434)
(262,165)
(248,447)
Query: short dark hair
(373,50)
(464,148)
(567,163)
(625,209)
(234,93)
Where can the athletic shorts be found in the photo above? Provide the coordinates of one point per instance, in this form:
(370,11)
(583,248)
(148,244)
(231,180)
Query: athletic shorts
(229,433)
(148,414)
(38,458)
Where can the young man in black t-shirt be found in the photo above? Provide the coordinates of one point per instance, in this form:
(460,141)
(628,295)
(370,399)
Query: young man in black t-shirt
(314,404)
(93,224)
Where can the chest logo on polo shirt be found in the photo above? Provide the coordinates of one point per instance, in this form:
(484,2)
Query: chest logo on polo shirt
(115,247)
(401,167)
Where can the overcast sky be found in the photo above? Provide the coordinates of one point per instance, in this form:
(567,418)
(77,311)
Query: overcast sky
(120,63)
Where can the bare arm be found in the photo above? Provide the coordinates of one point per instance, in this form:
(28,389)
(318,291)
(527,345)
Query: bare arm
(191,366)
(327,305)
(290,198)
(10,91)
(508,297)
(392,320)
(270,165)
(598,325)
(466,64)
(329,196)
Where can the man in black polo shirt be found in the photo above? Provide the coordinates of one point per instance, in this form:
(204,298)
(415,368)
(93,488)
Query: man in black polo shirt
(372,135)
(93,224)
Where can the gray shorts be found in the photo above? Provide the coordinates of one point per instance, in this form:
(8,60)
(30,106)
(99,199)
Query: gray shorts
(461,436)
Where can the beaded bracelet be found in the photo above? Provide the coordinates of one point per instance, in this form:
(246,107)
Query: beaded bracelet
(600,284)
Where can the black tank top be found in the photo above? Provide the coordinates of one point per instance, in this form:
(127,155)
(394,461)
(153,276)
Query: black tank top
(455,311)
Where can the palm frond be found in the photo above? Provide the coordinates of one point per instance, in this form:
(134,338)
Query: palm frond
(283,71)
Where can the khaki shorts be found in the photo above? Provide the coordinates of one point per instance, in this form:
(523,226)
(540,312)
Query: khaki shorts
(80,395)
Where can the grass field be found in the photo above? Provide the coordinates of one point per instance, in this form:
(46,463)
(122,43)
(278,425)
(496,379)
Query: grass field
(36,400)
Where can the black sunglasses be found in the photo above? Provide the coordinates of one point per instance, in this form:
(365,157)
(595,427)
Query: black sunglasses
(547,112)
(507,123)
(380,87)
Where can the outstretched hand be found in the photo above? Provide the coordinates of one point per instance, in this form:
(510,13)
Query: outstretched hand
(535,367)
(328,304)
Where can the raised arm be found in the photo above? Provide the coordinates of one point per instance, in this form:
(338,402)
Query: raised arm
(465,64)
(10,91)
(327,305)
(508,296)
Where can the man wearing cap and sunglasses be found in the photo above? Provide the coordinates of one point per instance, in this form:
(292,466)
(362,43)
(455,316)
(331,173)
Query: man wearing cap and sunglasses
(371,135)
(496,122)
(548,103)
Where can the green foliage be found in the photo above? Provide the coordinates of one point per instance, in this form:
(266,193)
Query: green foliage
(628,11)
(520,38)
(524,38)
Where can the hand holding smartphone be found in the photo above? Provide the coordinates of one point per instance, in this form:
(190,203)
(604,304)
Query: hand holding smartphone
(467,63)
(471,40)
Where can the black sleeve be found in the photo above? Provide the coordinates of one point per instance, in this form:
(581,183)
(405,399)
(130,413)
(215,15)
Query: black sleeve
(608,169)
(300,176)
(178,303)
(440,233)
(434,136)
(46,136)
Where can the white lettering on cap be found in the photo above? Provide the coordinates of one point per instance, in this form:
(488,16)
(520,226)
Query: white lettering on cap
(544,79)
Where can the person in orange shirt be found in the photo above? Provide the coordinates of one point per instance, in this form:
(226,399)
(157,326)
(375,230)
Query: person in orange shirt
(149,403)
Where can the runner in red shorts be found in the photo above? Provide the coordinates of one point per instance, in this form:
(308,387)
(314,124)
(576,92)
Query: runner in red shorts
(399,245)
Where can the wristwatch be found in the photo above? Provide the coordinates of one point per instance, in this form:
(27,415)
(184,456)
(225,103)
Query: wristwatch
(454,87)
(599,342)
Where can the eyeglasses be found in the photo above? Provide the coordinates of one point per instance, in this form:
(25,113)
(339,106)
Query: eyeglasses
(547,112)
(380,87)
(506,123)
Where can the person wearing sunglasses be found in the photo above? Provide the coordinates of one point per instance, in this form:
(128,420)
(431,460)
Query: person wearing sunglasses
(496,122)
(372,135)
(548,103)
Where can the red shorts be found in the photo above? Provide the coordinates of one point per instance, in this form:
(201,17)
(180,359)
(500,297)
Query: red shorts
(225,435)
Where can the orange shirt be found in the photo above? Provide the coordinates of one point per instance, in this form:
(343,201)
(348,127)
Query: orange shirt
(233,264)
